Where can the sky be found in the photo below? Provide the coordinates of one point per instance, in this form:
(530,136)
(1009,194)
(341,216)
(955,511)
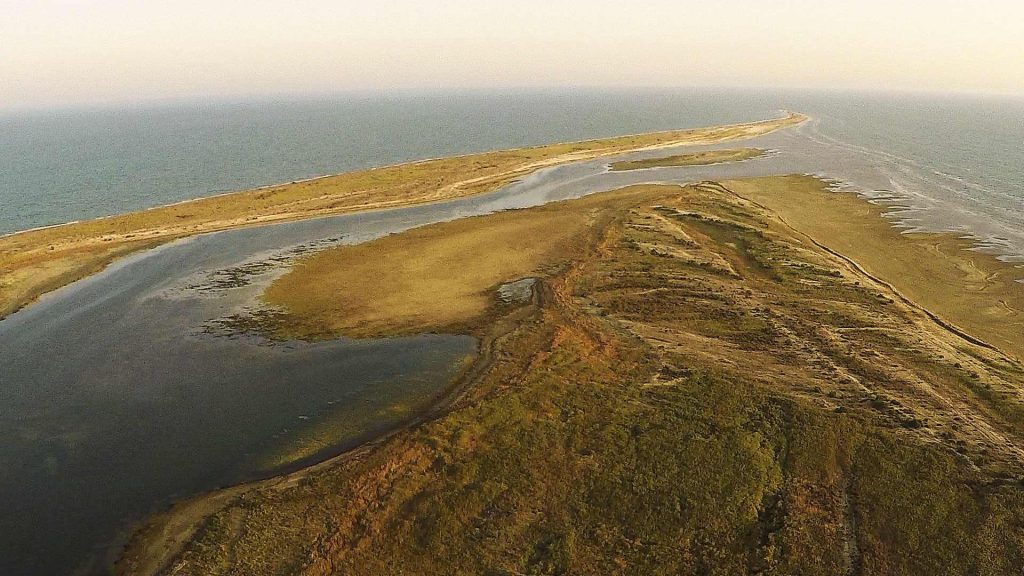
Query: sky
(82,52)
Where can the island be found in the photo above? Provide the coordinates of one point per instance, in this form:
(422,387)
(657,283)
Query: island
(691,159)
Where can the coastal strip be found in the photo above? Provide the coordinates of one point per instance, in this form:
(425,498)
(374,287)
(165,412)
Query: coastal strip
(972,292)
(37,261)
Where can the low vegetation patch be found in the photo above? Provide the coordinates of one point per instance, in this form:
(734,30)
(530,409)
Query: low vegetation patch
(694,159)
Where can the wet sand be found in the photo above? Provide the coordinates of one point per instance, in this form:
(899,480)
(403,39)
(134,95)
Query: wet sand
(941,272)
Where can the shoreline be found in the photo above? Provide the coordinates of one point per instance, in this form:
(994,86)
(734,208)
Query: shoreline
(946,325)
(926,269)
(788,115)
(39,260)
(162,535)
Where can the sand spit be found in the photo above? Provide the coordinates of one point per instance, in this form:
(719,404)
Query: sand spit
(38,261)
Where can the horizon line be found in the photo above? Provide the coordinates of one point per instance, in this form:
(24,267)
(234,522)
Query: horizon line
(407,92)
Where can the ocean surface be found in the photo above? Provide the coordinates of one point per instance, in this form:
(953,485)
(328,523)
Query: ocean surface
(957,161)
(959,157)
(117,397)
(59,166)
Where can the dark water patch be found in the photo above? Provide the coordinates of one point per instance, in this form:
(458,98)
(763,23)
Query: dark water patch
(84,460)
(517,292)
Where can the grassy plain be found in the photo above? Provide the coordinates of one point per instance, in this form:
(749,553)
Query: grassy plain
(693,159)
(37,261)
(700,388)
(433,279)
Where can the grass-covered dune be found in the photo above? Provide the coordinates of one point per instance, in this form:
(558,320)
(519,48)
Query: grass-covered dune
(699,387)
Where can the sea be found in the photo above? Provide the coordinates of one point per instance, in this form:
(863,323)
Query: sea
(958,159)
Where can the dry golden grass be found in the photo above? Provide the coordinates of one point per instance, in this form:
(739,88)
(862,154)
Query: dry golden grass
(37,261)
(969,289)
(435,278)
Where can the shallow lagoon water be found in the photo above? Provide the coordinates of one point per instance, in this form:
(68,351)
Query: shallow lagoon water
(115,400)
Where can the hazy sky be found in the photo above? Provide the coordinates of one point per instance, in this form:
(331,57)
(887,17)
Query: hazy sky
(56,52)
